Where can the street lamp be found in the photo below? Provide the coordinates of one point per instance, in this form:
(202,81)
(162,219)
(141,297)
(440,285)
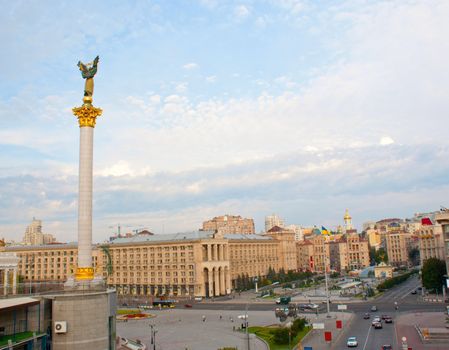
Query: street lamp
(153,332)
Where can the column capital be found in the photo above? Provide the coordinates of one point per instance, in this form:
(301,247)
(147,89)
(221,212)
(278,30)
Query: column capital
(87,115)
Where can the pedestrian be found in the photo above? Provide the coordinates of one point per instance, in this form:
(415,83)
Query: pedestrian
(221,317)
(204,318)
(232,320)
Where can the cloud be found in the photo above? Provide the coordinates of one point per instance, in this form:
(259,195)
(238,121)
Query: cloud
(386,140)
(241,11)
(190,66)
(211,79)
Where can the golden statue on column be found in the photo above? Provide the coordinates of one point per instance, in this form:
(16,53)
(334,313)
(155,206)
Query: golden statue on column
(87,115)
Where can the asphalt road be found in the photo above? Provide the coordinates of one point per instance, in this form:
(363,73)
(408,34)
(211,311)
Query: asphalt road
(370,338)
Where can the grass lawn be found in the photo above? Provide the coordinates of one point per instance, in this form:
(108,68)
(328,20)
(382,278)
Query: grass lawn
(128,311)
(265,334)
(19,337)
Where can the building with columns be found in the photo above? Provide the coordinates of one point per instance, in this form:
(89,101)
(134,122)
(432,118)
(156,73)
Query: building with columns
(9,272)
(200,263)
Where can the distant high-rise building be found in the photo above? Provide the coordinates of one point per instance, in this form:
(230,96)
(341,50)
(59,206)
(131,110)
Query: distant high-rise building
(229,224)
(299,233)
(273,220)
(35,236)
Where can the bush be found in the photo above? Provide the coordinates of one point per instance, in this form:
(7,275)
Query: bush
(298,325)
(280,335)
(391,282)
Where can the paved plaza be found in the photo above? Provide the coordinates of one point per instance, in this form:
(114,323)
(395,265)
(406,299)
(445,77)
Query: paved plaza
(181,329)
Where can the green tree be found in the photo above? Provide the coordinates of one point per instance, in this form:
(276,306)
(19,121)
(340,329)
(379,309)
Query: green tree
(433,272)
(280,335)
(378,256)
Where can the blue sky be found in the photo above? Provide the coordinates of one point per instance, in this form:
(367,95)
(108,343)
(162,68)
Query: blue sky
(300,108)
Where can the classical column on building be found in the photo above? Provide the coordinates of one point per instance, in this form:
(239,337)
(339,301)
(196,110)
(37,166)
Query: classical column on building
(209,252)
(210,279)
(216,252)
(220,252)
(14,281)
(227,279)
(222,281)
(5,282)
(217,282)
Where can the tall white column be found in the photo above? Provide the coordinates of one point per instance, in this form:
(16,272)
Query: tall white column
(85,197)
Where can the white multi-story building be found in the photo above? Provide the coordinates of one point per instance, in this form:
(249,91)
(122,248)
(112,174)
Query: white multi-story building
(35,236)
(272,221)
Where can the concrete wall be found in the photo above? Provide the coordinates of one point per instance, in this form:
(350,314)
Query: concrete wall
(88,317)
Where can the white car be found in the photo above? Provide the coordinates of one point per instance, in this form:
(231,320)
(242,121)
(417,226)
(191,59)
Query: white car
(376,319)
(352,342)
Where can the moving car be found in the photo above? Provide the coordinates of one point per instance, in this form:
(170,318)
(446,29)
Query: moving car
(366,316)
(386,347)
(388,319)
(373,308)
(352,342)
(377,325)
(376,319)
(414,291)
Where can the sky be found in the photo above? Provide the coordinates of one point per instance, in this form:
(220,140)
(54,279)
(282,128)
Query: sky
(299,108)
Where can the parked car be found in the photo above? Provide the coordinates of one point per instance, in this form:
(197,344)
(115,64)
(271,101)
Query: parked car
(374,308)
(188,305)
(386,347)
(377,325)
(388,319)
(414,291)
(366,316)
(352,342)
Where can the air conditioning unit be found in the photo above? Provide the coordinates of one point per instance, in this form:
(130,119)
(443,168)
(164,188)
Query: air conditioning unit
(60,327)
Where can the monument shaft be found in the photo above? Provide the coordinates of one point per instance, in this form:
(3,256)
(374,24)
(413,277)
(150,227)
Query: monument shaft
(85,197)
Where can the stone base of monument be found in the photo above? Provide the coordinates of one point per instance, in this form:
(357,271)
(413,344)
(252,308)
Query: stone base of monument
(83,316)
(96,284)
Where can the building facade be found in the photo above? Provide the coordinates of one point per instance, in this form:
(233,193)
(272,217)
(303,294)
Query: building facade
(35,236)
(229,224)
(273,220)
(201,263)
(398,245)
(431,242)
(442,218)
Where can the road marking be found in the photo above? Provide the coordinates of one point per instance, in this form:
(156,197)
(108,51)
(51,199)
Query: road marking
(367,336)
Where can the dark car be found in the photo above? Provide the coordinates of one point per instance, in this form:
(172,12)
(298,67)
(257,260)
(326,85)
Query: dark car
(384,316)
(366,316)
(386,347)
(388,319)
(188,305)
(378,325)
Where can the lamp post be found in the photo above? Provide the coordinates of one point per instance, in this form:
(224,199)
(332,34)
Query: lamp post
(325,277)
(153,332)
(246,325)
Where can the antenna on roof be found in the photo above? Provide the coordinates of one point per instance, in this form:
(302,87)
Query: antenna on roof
(443,208)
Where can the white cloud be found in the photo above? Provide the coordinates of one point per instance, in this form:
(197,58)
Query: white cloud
(211,79)
(386,140)
(241,11)
(190,66)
